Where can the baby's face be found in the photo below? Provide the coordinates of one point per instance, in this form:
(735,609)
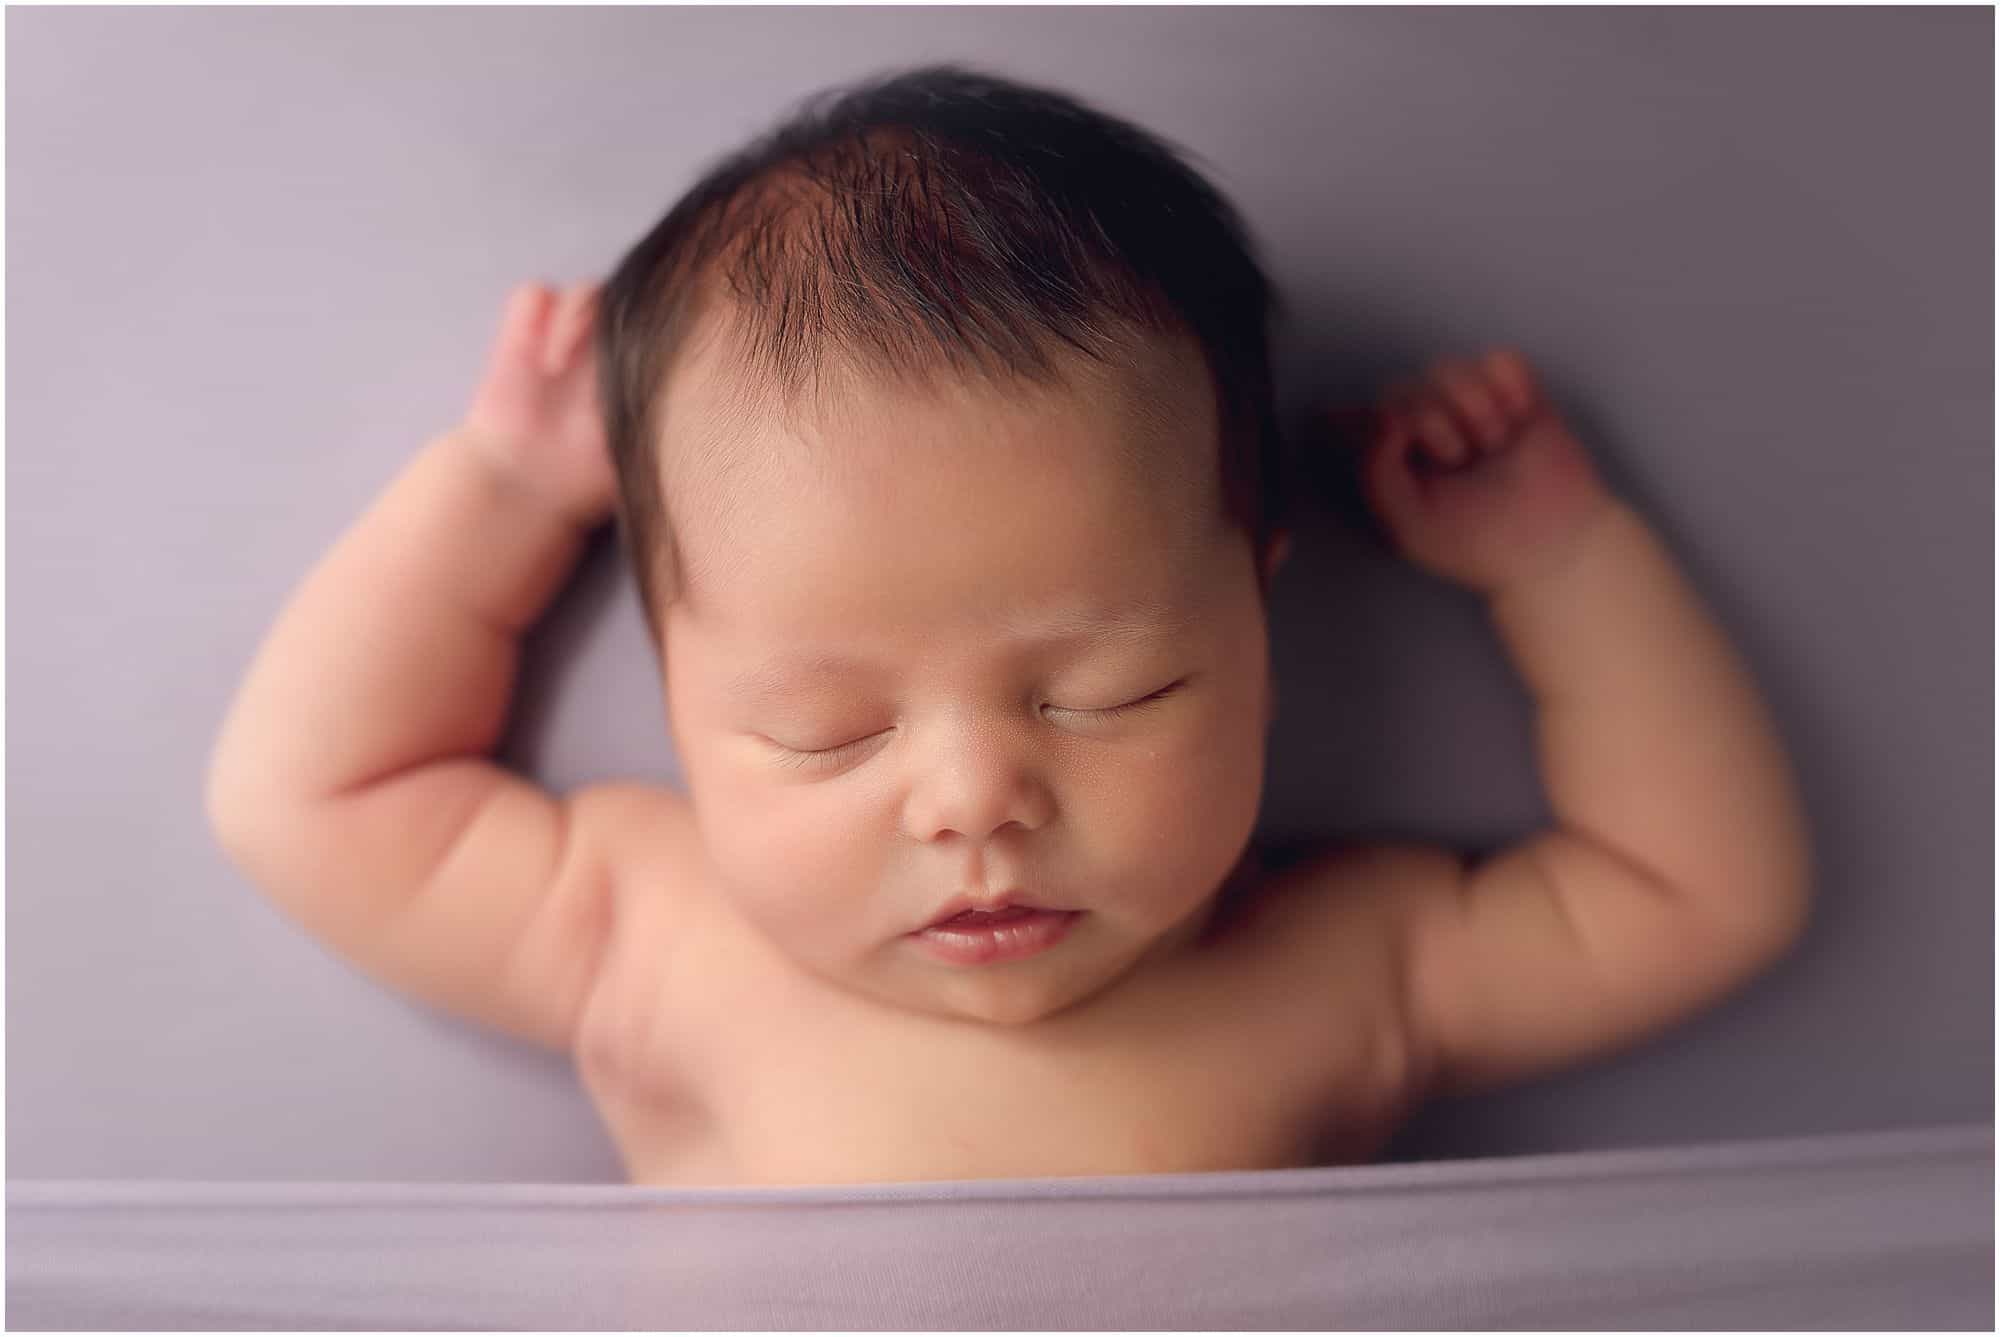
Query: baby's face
(893,682)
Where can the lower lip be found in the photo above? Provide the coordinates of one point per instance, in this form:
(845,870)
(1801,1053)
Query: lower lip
(963,945)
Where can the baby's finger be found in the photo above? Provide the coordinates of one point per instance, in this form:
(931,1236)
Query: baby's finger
(1421,406)
(1471,402)
(1386,475)
(570,324)
(510,390)
(1507,371)
(524,326)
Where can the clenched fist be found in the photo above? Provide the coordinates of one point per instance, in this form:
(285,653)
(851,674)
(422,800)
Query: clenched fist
(536,415)
(1472,474)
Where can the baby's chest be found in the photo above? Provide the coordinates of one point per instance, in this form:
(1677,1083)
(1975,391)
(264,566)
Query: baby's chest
(1241,1065)
(872,1107)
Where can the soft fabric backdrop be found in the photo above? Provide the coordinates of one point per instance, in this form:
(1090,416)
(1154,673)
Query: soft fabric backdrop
(255,256)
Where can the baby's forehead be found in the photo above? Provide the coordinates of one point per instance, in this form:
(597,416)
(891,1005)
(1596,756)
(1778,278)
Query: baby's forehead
(1127,451)
(765,637)
(1154,411)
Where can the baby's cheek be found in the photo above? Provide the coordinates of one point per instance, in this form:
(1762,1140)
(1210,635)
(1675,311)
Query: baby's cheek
(792,865)
(1221,761)
(782,834)
(1185,807)
(758,838)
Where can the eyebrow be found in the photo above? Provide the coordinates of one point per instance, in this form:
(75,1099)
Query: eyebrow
(1133,623)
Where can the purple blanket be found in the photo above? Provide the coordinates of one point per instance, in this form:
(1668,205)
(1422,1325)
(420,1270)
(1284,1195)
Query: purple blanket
(1880,1230)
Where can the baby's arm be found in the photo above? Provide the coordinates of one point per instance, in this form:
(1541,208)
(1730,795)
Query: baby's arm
(1679,864)
(351,781)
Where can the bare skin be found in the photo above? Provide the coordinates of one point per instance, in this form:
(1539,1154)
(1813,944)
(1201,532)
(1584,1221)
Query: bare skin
(731,968)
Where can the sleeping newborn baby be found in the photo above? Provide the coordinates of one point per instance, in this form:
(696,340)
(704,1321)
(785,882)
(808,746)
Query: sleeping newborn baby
(939,427)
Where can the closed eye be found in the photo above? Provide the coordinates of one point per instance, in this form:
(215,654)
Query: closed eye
(795,756)
(825,756)
(1130,706)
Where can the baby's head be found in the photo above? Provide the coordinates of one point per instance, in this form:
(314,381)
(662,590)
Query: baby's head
(947,460)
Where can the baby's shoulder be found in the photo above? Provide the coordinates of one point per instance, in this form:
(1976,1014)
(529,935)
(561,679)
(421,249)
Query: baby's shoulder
(655,874)
(632,822)
(1332,921)
(649,845)
(1357,887)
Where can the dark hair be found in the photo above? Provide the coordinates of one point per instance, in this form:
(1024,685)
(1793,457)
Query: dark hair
(939,219)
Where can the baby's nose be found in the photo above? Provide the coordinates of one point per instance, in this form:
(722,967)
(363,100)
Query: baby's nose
(975,795)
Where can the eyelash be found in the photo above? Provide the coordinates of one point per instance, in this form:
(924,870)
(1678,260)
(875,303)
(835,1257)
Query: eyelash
(825,756)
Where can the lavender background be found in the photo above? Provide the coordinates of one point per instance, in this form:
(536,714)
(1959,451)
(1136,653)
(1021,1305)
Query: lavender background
(255,257)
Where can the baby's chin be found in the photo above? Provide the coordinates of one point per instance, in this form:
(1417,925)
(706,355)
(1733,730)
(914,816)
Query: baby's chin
(1089,964)
(1014,1005)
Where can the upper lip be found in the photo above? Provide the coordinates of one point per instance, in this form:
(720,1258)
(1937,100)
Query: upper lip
(958,905)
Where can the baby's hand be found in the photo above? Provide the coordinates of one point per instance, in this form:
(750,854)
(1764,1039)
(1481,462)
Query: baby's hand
(1474,477)
(536,415)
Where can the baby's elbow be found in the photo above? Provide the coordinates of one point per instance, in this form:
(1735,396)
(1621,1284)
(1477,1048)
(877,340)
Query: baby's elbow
(1757,921)
(240,815)
(1798,881)
(224,808)
(1773,904)
(1786,915)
